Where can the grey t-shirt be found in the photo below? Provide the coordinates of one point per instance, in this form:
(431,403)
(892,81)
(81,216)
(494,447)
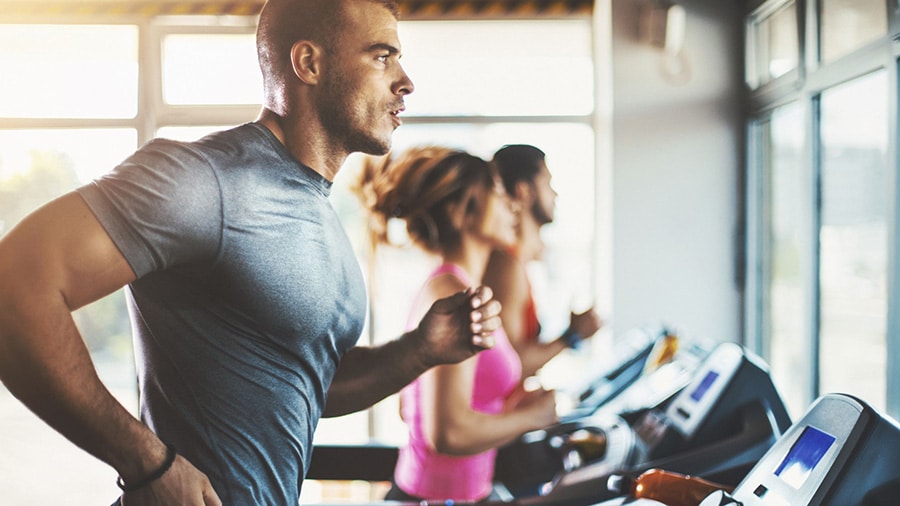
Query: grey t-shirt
(248,294)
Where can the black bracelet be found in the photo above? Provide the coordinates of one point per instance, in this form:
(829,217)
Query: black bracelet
(155,475)
(571,338)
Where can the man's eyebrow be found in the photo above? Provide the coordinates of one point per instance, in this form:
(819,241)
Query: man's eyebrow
(381,46)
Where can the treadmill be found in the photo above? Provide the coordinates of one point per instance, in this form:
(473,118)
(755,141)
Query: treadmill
(840,453)
(629,386)
(717,427)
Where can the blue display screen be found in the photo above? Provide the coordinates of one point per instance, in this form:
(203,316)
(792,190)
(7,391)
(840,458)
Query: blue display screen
(804,455)
(704,385)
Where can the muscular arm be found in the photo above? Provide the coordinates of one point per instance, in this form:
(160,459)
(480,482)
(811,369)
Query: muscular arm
(56,260)
(454,328)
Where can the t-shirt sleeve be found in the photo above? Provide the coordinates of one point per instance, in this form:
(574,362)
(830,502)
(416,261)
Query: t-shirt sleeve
(162,207)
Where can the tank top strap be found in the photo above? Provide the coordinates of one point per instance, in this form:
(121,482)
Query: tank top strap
(453,269)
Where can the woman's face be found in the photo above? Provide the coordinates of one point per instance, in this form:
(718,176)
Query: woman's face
(498,225)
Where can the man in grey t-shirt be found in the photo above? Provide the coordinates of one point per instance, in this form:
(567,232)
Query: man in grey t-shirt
(245,297)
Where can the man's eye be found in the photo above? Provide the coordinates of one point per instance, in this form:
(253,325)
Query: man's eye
(383,58)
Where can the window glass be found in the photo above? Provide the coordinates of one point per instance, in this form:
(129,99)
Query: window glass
(35,167)
(68,71)
(853,238)
(785,297)
(850,24)
(205,69)
(498,67)
(38,165)
(774,45)
(783,50)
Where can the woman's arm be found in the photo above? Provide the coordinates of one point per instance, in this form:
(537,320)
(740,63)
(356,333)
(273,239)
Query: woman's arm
(455,328)
(451,424)
(454,428)
(507,276)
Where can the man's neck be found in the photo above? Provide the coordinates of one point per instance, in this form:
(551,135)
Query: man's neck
(530,244)
(306,141)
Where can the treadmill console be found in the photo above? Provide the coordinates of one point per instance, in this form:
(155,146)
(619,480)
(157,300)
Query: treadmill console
(718,426)
(704,390)
(538,456)
(715,405)
(841,453)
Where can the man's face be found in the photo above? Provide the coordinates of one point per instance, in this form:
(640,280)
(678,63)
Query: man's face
(363,84)
(544,205)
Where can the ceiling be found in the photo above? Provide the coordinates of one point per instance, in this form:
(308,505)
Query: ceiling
(411,9)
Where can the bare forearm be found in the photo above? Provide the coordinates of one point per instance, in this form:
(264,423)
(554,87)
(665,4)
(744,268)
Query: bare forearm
(535,355)
(478,432)
(369,374)
(454,328)
(44,363)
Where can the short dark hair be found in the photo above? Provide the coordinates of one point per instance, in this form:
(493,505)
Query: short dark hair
(284,22)
(516,163)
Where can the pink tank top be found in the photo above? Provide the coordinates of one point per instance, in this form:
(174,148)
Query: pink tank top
(424,473)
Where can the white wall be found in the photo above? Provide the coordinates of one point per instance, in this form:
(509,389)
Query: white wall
(674,174)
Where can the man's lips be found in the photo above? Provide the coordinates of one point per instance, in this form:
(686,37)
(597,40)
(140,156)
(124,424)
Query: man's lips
(395,115)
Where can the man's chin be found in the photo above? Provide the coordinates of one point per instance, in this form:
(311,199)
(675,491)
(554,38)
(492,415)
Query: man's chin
(375,148)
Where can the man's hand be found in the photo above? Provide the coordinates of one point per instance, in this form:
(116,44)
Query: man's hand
(457,327)
(586,324)
(182,484)
(454,329)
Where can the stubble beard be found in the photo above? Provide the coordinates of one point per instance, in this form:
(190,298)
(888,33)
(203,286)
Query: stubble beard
(540,214)
(349,125)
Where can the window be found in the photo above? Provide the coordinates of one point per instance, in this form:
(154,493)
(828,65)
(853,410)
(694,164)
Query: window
(773,46)
(847,25)
(515,81)
(822,219)
(499,68)
(853,236)
(50,71)
(196,67)
(784,188)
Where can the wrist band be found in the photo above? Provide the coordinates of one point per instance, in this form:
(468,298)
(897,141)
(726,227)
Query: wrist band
(571,338)
(155,475)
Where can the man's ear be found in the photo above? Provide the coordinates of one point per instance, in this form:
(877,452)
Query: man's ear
(306,59)
(524,192)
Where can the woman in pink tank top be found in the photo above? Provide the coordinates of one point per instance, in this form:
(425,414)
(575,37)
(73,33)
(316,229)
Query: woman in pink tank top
(454,206)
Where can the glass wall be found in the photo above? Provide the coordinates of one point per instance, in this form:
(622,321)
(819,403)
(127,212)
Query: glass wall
(783,191)
(853,237)
(822,213)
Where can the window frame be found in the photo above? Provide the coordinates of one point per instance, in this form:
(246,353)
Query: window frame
(814,78)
